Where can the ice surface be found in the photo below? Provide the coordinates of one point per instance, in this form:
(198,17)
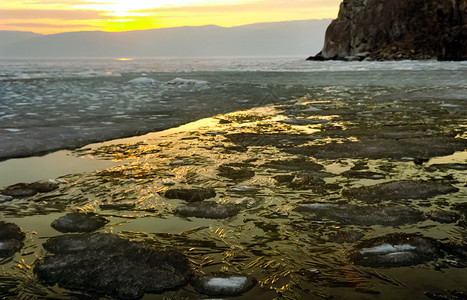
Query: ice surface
(142,80)
(182,81)
(57,104)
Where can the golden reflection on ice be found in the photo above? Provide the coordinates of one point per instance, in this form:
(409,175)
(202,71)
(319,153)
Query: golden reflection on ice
(293,256)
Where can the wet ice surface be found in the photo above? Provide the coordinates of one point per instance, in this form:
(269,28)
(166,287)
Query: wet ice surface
(51,105)
(305,226)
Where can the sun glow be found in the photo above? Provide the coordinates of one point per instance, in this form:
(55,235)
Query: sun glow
(56,16)
(125,8)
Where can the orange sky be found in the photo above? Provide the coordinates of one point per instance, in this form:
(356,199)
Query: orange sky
(55,16)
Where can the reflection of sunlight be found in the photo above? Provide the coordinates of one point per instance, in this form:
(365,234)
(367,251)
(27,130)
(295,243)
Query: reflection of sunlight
(124,59)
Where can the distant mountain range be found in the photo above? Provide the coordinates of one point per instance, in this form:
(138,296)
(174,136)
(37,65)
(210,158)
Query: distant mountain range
(261,39)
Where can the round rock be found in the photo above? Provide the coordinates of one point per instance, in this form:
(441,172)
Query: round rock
(398,190)
(396,250)
(190,195)
(79,222)
(390,215)
(107,264)
(11,239)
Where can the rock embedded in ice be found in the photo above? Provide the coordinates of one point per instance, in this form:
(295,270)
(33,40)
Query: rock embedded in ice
(30,189)
(390,215)
(79,222)
(235,172)
(396,250)
(448,166)
(11,238)
(190,195)
(443,216)
(117,206)
(398,190)
(384,147)
(210,210)
(109,265)
(218,284)
(73,243)
(19,190)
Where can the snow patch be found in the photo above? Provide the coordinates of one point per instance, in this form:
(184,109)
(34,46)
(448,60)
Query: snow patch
(230,282)
(142,80)
(387,248)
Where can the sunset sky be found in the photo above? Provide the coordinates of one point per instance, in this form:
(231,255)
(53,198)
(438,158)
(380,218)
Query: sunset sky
(55,16)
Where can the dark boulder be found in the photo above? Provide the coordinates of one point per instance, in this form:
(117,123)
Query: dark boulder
(236,172)
(79,222)
(398,190)
(396,250)
(210,210)
(443,216)
(30,189)
(394,215)
(190,195)
(109,265)
(11,239)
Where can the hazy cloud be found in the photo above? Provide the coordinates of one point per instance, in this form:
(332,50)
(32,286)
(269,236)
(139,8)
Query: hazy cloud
(61,14)
(43,25)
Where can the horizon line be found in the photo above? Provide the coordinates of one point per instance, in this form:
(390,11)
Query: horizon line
(186,26)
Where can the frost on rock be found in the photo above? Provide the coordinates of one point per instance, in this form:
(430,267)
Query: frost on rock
(396,250)
(5,198)
(79,222)
(11,239)
(223,284)
(107,264)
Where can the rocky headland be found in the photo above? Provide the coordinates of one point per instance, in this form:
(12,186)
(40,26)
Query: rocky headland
(397,30)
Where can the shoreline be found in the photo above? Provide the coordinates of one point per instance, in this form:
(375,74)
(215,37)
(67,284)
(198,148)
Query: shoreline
(64,162)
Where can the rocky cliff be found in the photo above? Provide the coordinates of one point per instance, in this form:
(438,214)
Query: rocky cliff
(397,29)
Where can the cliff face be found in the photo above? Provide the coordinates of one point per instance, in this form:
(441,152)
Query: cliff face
(398,29)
